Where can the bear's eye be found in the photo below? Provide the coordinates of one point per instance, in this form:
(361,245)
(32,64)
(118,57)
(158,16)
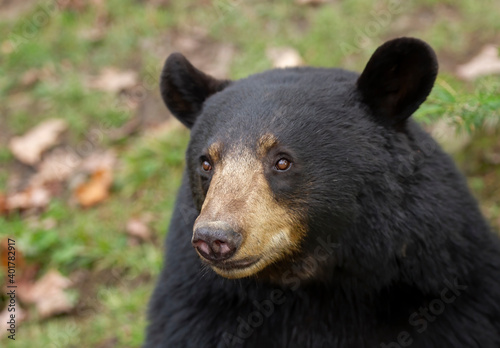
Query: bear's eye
(206,166)
(283,164)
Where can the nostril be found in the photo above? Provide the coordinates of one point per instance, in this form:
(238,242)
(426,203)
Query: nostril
(224,248)
(220,247)
(202,246)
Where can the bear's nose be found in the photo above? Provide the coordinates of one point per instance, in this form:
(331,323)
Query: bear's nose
(216,243)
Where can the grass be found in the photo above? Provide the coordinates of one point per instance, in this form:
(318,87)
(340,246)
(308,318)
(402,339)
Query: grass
(343,33)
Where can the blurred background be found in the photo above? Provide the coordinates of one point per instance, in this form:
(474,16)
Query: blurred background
(90,159)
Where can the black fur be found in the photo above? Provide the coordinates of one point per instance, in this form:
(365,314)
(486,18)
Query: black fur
(400,253)
(185,88)
(398,78)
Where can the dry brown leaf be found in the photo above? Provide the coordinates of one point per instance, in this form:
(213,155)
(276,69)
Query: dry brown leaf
(3,204)
(32,197)
(57,166)
(493,158)
(34,75)
(487,62)
(19,262)
(30,77)
(96,161)
(93,34)
(47,294)
(96,189)
(113,80)
(138,230)
(15,9)
(283,57)
(29,147)
(74,5)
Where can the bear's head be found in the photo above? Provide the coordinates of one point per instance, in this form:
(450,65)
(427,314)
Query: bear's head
(278,161)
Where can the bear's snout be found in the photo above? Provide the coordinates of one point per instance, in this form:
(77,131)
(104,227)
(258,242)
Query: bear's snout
(216,242)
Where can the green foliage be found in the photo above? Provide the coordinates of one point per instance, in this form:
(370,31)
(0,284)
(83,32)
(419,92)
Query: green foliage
(467,109)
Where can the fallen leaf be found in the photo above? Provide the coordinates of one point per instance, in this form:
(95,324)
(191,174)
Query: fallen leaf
(93,34)
(30,77)
(73,5)
(493,158)
(487,62)
(19,258)
(47,294)
(138,230)
(89,165)
(46,73)
(283,57)
(29,147)
(3,204)
(15,9)
(32,197)
(57,166)
(96,189)
(38,189)
(100,160)
(113,80)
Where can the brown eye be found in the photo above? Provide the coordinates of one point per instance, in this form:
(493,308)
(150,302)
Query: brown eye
(206,166)
(283,164)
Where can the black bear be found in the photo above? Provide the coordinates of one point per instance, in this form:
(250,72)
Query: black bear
(315,213)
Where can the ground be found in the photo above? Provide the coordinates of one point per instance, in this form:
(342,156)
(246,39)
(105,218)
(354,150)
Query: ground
(53,50)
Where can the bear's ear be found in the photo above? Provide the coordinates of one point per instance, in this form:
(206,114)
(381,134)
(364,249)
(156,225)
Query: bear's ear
(184,88)
(398,78)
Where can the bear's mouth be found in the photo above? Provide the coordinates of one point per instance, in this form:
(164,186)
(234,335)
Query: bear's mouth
(236,264)
(243,268)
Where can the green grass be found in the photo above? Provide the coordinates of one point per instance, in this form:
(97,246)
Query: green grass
(116,315)
(343,33)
